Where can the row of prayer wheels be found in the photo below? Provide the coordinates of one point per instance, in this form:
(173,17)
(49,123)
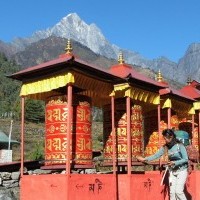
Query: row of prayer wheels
(56,115)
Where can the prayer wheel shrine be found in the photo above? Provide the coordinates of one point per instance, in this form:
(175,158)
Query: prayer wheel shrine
(135,109)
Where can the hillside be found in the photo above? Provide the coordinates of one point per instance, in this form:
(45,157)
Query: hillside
(51,47)
(34,138)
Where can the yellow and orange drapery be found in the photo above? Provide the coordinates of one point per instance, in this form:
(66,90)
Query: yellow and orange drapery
(125,90)
(43,88)
(44,85)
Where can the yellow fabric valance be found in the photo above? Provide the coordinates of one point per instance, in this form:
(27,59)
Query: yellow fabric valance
(191,111)
(196,105)
(120,87)
(142,95)
(112,94)
(167,104)
(137,93)
(156,100)
(46,85)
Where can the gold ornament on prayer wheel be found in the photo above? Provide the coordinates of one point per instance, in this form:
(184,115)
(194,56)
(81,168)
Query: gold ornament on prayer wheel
(56,130)
(121,131)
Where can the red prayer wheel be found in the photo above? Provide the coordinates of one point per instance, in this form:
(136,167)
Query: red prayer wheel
(195,139)
(56,130)
(152,136)
(153,143)
(121,131)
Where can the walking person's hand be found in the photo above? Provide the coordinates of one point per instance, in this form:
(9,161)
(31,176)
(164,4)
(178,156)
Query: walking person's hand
(170,163)
(140,158)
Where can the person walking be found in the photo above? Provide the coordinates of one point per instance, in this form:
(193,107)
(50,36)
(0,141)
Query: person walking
(177,164)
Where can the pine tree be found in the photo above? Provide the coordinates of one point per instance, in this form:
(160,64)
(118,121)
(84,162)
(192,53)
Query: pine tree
(9,89)
(34,111)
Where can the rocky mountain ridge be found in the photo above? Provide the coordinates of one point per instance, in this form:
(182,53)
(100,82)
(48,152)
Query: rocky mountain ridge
(50,48)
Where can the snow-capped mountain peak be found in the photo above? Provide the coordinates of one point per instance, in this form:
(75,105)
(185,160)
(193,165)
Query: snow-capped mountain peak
(72,26)
(89,35)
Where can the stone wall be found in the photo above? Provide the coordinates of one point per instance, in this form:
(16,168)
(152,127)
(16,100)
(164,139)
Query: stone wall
(9,185)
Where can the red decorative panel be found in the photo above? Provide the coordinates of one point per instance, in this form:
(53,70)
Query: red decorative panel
(56,131)
(121,131)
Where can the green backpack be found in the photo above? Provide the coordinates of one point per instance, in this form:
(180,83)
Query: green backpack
(193,154)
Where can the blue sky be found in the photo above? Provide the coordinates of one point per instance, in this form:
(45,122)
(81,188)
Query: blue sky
(152,28)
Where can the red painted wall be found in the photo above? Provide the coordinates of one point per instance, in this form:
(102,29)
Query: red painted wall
(43,187)
(102,187)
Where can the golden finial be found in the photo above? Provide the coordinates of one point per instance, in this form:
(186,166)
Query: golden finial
(159,76)
(121,58)
(189,80)
(68,48)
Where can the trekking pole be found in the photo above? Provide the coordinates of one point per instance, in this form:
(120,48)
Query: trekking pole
(9,137)
(162,180)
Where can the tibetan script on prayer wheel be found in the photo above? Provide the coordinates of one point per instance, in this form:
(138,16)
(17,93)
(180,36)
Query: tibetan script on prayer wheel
(121,131)
(195,138)
(56,131)
(152,143)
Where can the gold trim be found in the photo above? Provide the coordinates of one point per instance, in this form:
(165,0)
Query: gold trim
(159,76)
(121,58)
(68,48)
